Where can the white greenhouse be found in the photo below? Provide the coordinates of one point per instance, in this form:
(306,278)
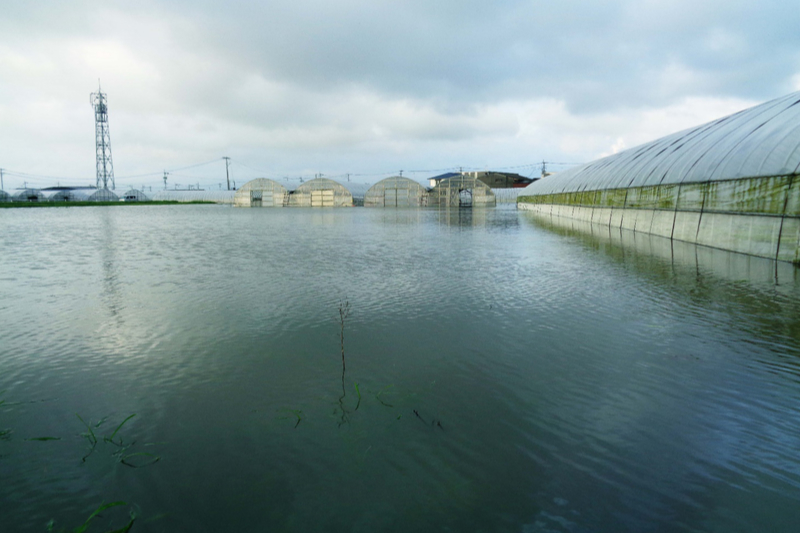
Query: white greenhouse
(134,195)
(321,192)
(261,192)
(101,195)
(730,184)
(396,191)
(462,191)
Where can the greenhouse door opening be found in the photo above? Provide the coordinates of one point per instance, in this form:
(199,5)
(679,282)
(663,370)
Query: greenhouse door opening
(395,198)
(465,197)
(255,198)
(321,198)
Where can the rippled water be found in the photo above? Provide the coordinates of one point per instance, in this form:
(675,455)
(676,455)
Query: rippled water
(502,374)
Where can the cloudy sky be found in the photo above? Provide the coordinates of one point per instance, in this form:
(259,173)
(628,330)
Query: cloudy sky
(300,87)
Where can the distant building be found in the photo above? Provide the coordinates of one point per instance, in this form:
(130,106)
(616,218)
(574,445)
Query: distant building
(494,180)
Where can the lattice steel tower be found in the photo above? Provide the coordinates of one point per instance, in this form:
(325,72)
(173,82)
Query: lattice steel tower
(105,167)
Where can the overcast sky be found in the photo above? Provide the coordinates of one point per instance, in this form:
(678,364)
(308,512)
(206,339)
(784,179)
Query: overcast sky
(295,88)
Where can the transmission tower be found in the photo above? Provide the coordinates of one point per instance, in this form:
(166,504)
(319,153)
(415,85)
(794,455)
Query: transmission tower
(105,167)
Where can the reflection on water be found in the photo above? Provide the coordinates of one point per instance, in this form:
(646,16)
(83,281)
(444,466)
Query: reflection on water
(502,374)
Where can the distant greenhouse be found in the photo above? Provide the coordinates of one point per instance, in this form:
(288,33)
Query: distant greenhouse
(261,192)
(65,195)
(134,195)
(29,195)
(321,192)
(462,191)
(4,197)
(396,191)
(197,195)
(101,195)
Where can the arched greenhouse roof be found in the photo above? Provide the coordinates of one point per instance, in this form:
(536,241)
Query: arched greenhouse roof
(394,191)
(254,192)
(29,195)
(134,195)
(102,195)
(218,196)
(321,192)
(761,141)
(4,196)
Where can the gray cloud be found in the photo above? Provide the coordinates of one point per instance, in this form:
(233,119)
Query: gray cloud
(349,84)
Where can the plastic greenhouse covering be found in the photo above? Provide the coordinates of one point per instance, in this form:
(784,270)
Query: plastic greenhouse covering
(396,191)
(761,141)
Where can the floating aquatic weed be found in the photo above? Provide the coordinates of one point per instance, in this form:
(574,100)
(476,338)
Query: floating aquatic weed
(44,438)
(111,438)
(344,312)
(359,397)
(126,459)
(378,396)
(90,436)
(122,448)
(83,527)
(296,412)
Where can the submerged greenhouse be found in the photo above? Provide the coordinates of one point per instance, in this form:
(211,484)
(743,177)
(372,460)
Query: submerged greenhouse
(321,192)
(462,190)
(261,192)
(396,191)
(730,184)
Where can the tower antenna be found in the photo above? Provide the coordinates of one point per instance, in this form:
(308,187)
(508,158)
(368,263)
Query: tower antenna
(105,167)
(227,174)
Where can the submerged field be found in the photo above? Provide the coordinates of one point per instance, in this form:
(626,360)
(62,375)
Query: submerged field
(207,368)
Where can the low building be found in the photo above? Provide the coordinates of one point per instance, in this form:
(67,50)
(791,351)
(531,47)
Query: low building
(493,179)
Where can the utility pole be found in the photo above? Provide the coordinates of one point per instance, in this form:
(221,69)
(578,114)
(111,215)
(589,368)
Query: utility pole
(165,180)
(227,174)
(1,180)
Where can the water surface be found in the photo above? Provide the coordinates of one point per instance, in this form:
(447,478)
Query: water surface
(502,374)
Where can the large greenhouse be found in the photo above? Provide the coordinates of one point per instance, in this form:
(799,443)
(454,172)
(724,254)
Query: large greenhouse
(462,191)
(261,192)
(4,196)
(731,184)
(396,191)
(321,192)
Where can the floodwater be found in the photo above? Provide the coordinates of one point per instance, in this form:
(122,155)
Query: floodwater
(502,374)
